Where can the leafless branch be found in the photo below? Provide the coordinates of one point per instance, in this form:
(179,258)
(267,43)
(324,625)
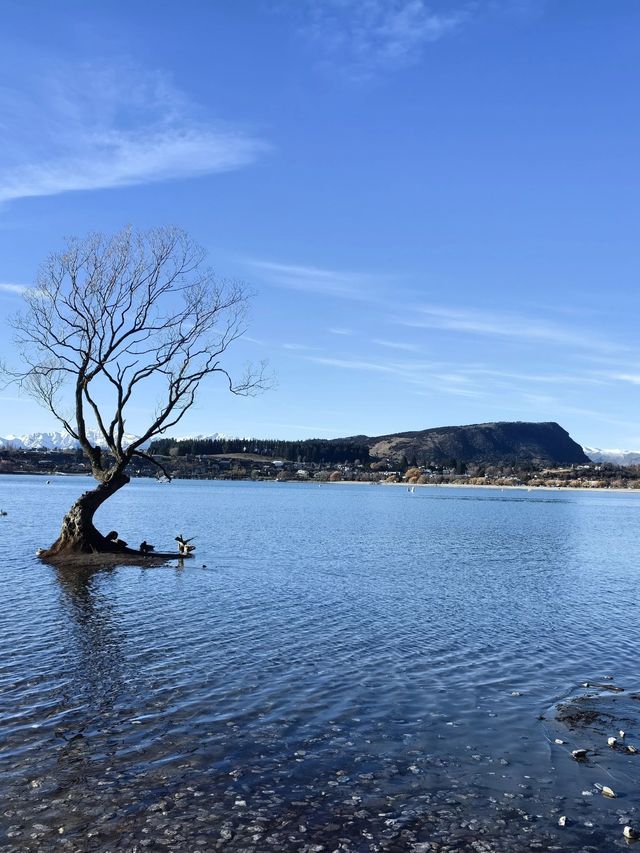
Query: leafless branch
(111,315)
(152,459)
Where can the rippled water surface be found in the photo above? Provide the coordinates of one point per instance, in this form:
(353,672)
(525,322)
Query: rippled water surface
(341,668)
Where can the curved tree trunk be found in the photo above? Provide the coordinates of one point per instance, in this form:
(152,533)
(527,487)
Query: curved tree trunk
(78,535)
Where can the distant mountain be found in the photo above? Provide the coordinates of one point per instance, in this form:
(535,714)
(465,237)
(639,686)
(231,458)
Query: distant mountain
(53,441)
(213,436)
(616,457)
(486,444)
(63,441)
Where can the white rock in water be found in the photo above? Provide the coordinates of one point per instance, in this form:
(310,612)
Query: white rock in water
(621,733)
(559,740)
(579,754)
(630,833)
(632,749)
(562,821)
(612,741)
(607,792)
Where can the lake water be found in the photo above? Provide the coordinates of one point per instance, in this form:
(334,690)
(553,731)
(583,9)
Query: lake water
(340,668)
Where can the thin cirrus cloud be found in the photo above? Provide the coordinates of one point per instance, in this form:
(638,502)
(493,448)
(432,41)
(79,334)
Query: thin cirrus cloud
(523,377)
(463,380)
(354,364)
(632,378)
(419,375)
(374,289)
(310,279)
(397,345)
(362,37)
(12,289)
(498,324)
(102,129)
(298,347)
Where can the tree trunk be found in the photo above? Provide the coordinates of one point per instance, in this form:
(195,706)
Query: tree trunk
(78,535)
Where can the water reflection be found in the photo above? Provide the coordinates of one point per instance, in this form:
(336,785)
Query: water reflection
(97,678)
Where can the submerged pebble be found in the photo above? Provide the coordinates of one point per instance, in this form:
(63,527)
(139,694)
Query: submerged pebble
(605,790)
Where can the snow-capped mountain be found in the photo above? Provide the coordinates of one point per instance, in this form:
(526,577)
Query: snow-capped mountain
(214,436)
(63,441)
(53,440)
(617,457)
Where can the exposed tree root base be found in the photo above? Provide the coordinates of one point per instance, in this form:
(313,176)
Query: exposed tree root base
(109,559)
(80,545)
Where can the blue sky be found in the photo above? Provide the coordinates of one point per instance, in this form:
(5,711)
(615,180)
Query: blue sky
(436,203)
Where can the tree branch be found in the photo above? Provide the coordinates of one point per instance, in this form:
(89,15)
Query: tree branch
(150,458)
(111,316)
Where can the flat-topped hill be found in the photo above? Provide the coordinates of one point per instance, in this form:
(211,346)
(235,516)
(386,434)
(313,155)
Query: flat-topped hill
(493,443)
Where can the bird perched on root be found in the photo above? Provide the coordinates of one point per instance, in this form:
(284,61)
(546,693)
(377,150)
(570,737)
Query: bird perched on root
(184,548)
(112,536)
(145,548)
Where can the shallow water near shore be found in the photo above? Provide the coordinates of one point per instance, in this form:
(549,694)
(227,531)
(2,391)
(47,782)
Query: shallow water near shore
(340,668)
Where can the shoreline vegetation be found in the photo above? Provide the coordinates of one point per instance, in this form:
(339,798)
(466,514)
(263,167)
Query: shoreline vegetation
(253,467)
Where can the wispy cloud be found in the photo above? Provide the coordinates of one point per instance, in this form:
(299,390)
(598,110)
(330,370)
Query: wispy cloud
(101,129)
(397,345)
(347,285)
(353,364)
(361,37)
(418,374)
(522,377)
(12,289)
(299,347)
(596,415)
(340,331)
(632,378)
(549,407)
(505,325)
(470,380)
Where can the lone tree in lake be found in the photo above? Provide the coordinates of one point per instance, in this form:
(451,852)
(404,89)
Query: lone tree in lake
(110,323)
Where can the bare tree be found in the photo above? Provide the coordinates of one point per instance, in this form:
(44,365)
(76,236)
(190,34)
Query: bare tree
(108,318)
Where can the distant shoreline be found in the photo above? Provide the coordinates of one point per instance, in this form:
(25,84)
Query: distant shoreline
(477,486)
(311,482)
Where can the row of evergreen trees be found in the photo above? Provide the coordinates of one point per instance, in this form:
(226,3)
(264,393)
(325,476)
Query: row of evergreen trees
(310,450)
